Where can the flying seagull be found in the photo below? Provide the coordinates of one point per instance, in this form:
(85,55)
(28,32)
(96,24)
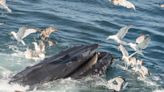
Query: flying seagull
(120,35)
(22,33)
(141,43)
(3,5)
(124,3)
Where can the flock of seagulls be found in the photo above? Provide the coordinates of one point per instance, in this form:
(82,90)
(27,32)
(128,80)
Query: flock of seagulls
(38,52)
(129,60)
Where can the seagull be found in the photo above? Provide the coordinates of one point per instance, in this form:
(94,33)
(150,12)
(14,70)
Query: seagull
(22,33)
(162,5)
(46,32)
(143,71)
(124,3)
(120,35)
(39,48)
(3,5)
(38,53)
(117,83)
(141,43)
(136,64)
(125,56)
(31,54)
(28,53)
(133,61)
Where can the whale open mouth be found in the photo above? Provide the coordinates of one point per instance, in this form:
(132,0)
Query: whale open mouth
(74,62)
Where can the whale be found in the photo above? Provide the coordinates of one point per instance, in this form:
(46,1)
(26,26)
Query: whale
(75,62)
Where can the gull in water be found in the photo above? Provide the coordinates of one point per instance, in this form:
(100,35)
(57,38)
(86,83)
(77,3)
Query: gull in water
(38,53)
(117,83)
(46,32)
(120,35)
(30,54)
(124,3)
(22,33)
(3,5)
(140,44)
(39,47)
(136,64)
(143,71)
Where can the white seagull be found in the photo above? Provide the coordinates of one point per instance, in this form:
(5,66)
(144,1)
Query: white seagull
(125,56)
(140,44)
(38,53)
(162,5)
(124,3)
(40,49)
(136,64)
(22,33)
(3,5)
(120,35)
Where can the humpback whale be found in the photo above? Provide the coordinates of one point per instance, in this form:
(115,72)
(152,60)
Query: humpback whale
(75,62)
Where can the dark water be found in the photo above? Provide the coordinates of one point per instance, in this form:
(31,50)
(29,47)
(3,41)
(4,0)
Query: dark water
(86,22)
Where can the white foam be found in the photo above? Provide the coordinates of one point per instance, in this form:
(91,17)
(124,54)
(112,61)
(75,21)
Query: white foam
(159,90)
(5,87)
(5,73)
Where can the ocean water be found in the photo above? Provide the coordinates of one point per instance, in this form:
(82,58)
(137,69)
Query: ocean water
(84,22)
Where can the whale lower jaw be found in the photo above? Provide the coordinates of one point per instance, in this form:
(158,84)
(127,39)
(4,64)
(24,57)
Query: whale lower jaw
(74,62)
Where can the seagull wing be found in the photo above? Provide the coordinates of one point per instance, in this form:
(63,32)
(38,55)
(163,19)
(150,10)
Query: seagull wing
(145,43)
(123,50)
(140,39)
(123,31)
(28,32)
(21,32)
(50,30)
